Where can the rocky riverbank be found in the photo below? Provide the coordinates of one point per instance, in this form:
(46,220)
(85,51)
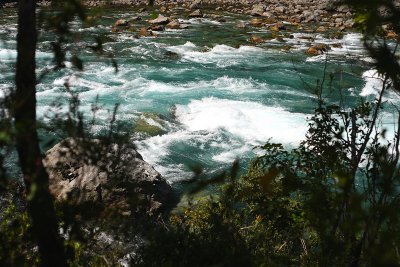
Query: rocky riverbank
(300,11)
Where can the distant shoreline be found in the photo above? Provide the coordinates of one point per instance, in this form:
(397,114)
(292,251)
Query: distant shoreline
(321,12)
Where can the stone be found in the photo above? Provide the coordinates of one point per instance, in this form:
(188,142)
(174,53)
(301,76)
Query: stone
(196,14)
(150,124)
(163,9)
(338,20)
(256,22)
(157,28)
(349,23)
(108,178)
(280,9)
(196,4)
(160,20)
(391,35)
(281,26)
(175,24)
(258,10)
(121,23)
(269,16)
(312,51)
(135,19)
(171,55)
(274,28)
(215,16)
(322,47)
(256,39)
(241,25)
(144,32)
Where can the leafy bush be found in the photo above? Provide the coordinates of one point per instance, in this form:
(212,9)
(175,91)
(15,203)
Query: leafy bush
(16,235)
(332,201)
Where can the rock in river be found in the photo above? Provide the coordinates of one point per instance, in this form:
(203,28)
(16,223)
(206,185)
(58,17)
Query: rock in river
(196,14)
(121,23)
(108,178)
(175,24)
(160,20)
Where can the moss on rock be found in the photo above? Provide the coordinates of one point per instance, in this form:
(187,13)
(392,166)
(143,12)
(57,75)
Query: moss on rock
(151,124)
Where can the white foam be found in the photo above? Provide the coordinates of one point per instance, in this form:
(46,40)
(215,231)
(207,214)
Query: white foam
(221,55)
(182,49)
(350,47)
(224,83)
(11,54)
(198,21)
(373,86)
(373,83)
(8,54)
(231,154)
(226,129)
(319,58)
(252,122)
(158,149)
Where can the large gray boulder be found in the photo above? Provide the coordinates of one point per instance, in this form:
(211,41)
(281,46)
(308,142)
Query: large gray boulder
(113,178)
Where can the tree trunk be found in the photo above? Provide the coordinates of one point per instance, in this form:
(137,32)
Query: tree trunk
(40,203)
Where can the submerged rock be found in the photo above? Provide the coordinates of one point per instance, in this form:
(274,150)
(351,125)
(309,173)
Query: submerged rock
(157,28)
(391,35)
(256,39)
(337,45)
(257,22)
(144,32)
(322,47)
(241,25)
(121,23)
(172,55)
(312,51)
(107,178)
(150,124)
(320,29)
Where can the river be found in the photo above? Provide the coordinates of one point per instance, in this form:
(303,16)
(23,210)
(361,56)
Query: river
(210,95)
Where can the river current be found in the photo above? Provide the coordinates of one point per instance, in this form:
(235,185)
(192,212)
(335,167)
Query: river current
(212,95)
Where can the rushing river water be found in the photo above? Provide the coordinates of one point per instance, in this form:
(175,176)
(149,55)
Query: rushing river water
(213,94)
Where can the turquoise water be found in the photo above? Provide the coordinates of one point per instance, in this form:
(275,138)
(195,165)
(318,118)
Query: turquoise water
(214,94)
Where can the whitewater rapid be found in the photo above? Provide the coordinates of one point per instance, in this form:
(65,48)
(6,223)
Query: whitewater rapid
(214,95)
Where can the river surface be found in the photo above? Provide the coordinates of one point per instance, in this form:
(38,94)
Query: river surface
(213,95)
